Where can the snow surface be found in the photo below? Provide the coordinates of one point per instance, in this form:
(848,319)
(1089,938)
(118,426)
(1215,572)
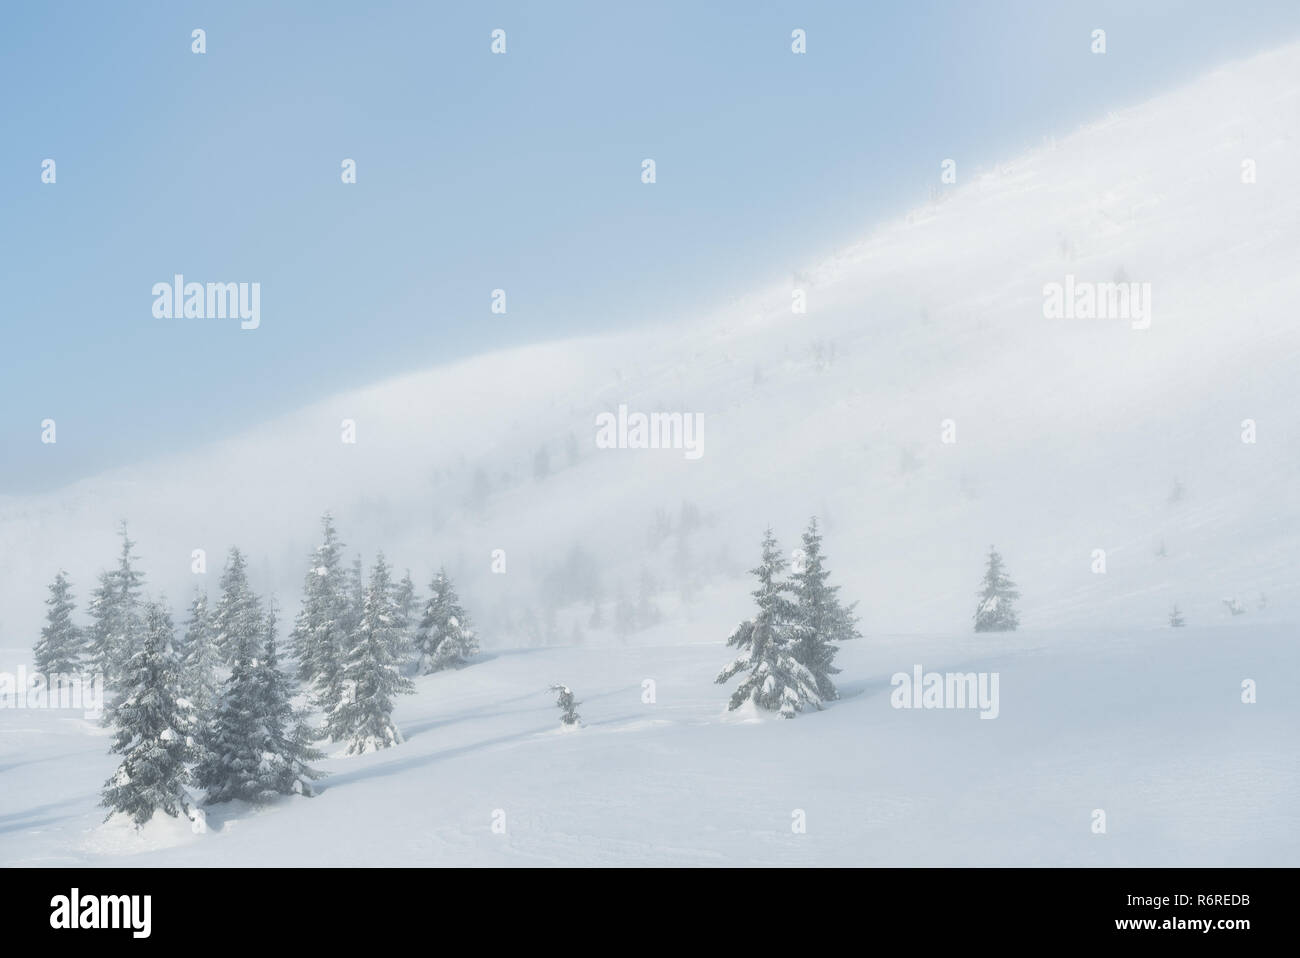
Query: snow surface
(1147,725)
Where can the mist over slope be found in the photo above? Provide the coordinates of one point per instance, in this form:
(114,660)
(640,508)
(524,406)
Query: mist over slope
(1071,434)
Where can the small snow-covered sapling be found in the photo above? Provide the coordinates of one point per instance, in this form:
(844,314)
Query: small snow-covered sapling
(568,707)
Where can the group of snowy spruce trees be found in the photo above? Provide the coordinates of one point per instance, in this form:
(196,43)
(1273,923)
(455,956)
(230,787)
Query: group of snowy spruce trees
(212,709)
(356,643)
(787,650)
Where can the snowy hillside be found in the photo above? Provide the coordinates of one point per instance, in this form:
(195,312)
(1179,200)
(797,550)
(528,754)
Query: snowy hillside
(924,407)
(1071,434)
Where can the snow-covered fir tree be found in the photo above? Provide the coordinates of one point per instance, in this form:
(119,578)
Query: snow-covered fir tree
(818,618)
(259,744)
(624,614)
(230,764)
(231,760)
(103,617)
(355,589)
(845,627)
(152,727)
(996,611)
(1176,619)
(647,611)
(404,602)
(776,680)
(287,744)
(321,635)
(237,618)
(568,705)
(371,676)
(129,582)
(444,638)
(60,647)
(199,659)
(115,610)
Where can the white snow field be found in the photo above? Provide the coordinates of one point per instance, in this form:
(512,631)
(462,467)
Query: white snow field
(1072,435)
(1146,725)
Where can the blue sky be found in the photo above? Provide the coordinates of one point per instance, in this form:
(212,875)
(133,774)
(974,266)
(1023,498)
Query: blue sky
(476,172)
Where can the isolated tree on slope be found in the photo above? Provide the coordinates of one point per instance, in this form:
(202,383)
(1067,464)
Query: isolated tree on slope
(371,676)
(817,615)
(321,636)
(568,706)
(237,618)
(152,725)
(776,681)
(199,659)
(286,744)
(996,611)
(444,638)
(59,648)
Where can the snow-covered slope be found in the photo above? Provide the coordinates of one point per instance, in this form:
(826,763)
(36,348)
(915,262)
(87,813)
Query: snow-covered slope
(1072,435)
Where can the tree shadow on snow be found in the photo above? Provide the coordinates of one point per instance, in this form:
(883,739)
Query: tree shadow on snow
(399,765)
(412,730)
(26,819)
